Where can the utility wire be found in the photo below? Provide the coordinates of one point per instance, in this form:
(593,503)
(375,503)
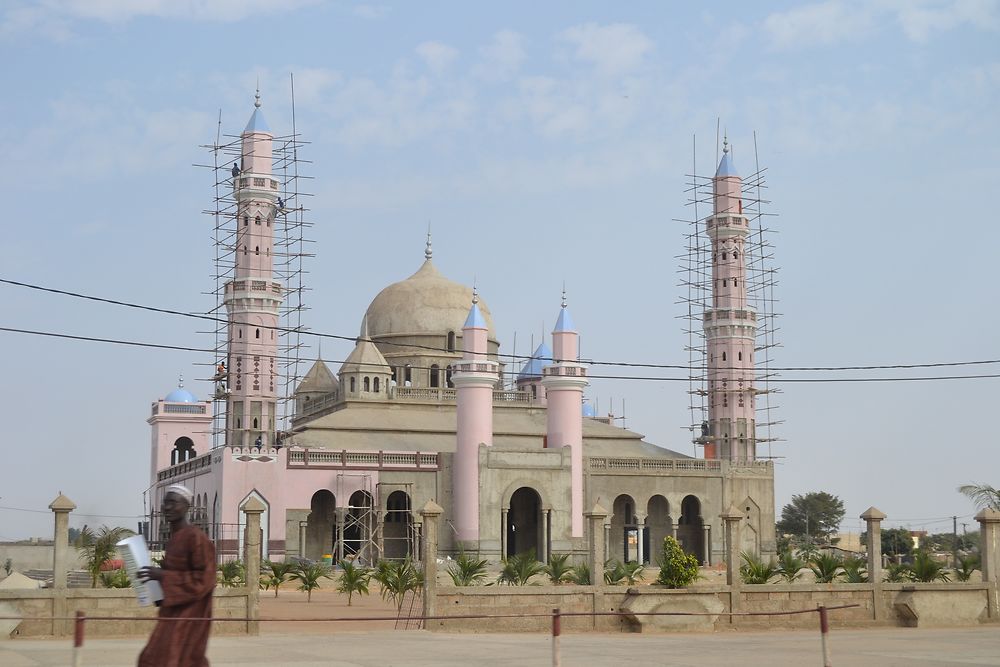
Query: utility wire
(133,343)
(520,357)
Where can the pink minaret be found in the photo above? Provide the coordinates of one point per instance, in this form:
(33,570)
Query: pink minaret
(564,381)
(253,298)
(730,324)
(474,377)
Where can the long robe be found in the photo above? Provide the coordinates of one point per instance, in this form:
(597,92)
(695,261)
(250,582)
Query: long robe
(188,581)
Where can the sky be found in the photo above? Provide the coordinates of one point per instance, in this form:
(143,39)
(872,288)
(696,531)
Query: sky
(544,143)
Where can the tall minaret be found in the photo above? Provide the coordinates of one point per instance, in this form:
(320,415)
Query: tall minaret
(474,377)
(730,324)
(253,297)
(564,380)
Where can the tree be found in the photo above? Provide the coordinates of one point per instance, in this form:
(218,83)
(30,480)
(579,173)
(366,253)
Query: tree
(790,566)
(825,567)
(353,579)
(520,568)
(277,574)
(398,578)
(926,568)
(309,577)
(756,571)
(983,495)
(580,574)
(467,570)
(816,515)
(677,569)
(896,542)
(99,547)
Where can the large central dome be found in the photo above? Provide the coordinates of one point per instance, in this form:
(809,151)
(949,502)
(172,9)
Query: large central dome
(424,303)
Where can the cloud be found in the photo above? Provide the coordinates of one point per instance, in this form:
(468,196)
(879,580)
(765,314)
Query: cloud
(502,56)
(370,12)
(611,49)
(54,18)
(919,20)
(824,23)
(436,55)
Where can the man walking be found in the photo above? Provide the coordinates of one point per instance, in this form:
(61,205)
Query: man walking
(188,579)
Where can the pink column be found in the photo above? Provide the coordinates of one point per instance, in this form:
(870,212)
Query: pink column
(564,381)
(474,378)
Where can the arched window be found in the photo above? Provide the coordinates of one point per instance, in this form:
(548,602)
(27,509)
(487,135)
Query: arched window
(244,250)
(723,356)
(724,257)
(375,385)
(736,254)
(447,377)
(256,250)
(256,220)
(353,385)
(435,375)
(451,341)
(241,333)
(258,334)
(268,221)
(255,426)
(367,384)
(246,220)
(739,356)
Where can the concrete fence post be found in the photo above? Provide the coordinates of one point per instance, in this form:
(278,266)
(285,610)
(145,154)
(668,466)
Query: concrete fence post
(431,514)
(253,508)
(595,542)
(989,557)
(731,517)
(61,507)
(873,522)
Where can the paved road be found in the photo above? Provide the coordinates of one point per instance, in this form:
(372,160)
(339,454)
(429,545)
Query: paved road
(909,647)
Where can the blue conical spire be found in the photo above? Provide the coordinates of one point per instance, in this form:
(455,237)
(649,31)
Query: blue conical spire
(565,322)
(475,320)
(257,122)
(726,166)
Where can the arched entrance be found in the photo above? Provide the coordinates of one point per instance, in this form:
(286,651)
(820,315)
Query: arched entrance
(183,451)
(624,532)
(524,522)
(659,524)
(690,528)
(359,520)
(397,530)
(320,533)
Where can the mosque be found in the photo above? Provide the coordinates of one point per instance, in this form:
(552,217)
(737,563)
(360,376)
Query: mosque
(420,410)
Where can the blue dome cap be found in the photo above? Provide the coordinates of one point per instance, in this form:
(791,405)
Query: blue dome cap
(533,367)
(180,395)
(257,122)
(726,166)
(588,410)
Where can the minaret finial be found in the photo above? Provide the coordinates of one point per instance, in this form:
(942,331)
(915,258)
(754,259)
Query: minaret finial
(725,142)
(180,381)
(475,291)
(564,294)
(428,250)
(256,102)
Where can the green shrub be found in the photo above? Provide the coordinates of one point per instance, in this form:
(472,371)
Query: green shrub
(926,569)
(397,578)
(232,574)
(353,579)
(855,571)
(558,568)
(965,568)
(790,566)
(467,570)
(825,567)
(309,577)
(520,568)
(580,574)
(677,569)
(756,571)
(115,579)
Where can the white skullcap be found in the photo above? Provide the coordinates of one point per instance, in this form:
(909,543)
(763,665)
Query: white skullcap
(182,491)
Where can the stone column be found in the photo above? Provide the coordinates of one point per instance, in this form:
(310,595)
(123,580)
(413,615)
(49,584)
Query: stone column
(503,534)
(338,535)
(596,551)
(61,507)
(873,523)
(989,556)
(251,560)
(432,515)
(607,543)
(640,534)
(547,539)
(731,518)
(707,541)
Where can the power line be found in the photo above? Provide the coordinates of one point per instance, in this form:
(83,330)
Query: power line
(182,348)
(89,516)
(520,357)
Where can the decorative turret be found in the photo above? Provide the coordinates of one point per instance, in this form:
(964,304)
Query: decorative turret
(365,374)
(529,379)
(564,380)
(181,428)
(318,383)
(475,377)
(253,297)
(730,324)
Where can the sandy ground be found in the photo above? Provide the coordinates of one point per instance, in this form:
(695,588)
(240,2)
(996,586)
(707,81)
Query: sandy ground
(327,603)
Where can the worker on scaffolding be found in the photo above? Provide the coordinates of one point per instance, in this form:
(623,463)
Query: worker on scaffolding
(220,379)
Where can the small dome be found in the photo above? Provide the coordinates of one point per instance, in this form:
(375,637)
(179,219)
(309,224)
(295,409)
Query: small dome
(180,395)
(424,303)
(588,410)
(532,368)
